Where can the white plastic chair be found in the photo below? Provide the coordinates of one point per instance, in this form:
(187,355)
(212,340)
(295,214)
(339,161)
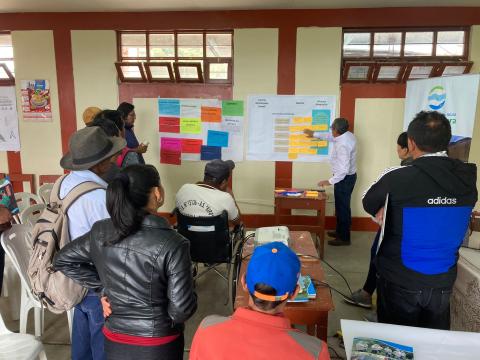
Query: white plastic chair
(44,192)
(19,346)
(11,288)
(17,243)
(24,200)
(30,215)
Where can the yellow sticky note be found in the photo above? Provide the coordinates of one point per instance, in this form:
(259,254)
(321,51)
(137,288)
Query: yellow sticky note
(312,151)
(190,126)
(292,156)
(322,143)
(321,127)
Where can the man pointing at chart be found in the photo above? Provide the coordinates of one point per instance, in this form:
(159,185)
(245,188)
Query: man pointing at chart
(343,160)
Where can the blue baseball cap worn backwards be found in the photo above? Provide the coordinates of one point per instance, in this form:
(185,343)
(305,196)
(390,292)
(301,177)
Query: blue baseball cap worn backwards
(275,265)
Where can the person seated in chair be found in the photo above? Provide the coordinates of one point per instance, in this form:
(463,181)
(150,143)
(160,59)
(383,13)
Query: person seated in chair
(211,196)
(260,331)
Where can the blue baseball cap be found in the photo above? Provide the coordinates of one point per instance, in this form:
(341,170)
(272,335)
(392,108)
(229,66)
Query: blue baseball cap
(275,265)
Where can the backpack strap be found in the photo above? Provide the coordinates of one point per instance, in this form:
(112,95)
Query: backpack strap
(79,190)
(55,193)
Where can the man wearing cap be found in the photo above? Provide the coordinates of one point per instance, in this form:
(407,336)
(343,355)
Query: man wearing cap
(260,331)
(211,196)
(91,154)
(343,160)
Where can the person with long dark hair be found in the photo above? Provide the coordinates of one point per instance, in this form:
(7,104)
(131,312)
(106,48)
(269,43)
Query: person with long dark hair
(141,265)
(127,111)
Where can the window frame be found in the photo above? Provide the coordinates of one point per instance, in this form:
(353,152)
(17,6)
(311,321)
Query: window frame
(205,60)
(434,57)
(166,64)
(11,77)
(196,65)
(378,66)
(118,66)
(349,64)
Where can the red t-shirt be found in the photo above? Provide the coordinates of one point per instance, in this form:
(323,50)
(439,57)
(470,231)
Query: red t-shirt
(250,334)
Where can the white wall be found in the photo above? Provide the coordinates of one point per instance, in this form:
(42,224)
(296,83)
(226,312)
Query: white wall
(41,147)
(94,53)
(3,162)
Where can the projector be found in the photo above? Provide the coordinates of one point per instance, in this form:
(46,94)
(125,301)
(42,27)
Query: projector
(265,235)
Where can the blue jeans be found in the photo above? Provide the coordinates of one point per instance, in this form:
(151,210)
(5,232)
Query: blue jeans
(87,335)
(343,193)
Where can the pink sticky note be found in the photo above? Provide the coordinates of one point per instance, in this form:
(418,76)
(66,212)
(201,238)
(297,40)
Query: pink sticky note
(171,144)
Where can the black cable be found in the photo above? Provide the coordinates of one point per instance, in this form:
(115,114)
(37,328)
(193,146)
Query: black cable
(331,267)
(335,353)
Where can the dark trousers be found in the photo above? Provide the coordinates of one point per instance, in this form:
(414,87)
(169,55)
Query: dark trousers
(427,308)
(87,335)
(170,351)
(343,193)
(371,281)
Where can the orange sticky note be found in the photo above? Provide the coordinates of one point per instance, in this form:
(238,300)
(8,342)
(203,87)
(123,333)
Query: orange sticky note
(211,114)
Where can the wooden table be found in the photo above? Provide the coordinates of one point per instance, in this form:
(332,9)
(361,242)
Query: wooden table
(303,202)
(314,313)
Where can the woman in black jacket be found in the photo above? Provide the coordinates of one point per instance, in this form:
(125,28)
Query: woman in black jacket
(141,265)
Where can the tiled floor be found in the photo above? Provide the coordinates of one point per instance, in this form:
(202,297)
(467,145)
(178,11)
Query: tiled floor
(351,261)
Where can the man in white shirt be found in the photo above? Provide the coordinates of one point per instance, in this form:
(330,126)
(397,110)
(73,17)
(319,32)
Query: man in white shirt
(91,154)
(343,160)
(211,196)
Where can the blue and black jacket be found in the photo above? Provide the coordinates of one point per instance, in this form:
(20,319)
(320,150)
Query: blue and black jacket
(430,202)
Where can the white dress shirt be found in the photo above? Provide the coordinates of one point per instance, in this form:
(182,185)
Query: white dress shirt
(89,208)
(343,155)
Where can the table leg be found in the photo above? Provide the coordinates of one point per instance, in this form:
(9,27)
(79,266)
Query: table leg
(322,327)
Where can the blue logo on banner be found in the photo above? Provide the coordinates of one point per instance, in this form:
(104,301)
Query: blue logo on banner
(436,98)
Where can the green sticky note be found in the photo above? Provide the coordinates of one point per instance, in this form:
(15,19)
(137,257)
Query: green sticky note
(190,126)
(232,107)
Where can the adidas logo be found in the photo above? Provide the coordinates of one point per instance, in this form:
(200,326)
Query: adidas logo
(442,201)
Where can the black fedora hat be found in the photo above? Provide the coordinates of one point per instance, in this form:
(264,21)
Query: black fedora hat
(90,146)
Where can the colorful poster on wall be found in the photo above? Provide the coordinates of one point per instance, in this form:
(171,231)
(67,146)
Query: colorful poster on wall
(200,129)
(36,102)
(276,124)
(9,139)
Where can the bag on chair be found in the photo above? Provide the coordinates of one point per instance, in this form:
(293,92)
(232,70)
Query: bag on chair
(57,292)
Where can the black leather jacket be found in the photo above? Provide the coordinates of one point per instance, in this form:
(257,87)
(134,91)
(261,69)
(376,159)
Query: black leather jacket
(147,276)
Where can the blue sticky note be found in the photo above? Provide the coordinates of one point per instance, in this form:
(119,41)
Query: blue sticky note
(321,117)
(217,138)
(169,107)
(210,152)
(322,150)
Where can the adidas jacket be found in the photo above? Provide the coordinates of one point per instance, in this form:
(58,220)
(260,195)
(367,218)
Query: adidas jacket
(430,202)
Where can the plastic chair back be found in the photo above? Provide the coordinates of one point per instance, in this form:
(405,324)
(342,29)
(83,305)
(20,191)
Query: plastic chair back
(25,200)
(30,215)
(18,242)
(209,237)
(44,192)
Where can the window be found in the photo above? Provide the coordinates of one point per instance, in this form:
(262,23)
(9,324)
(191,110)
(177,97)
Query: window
(176,56)
(7,68)
(396,55)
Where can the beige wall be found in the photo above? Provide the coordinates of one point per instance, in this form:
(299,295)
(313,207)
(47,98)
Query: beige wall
(475,48)
(255,72)
(317,72)
(41,147)
(94,53)
(3,162)
(475,147)
(256,57)
(378,122)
